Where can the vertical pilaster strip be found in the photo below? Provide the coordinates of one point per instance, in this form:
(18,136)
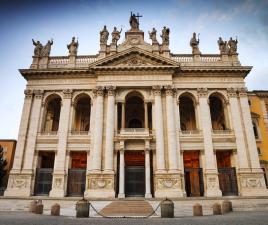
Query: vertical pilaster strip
(123,116)
(147,174)
(32,133)
(177,127)
(238,131)
(145,115)
(251,143)
(109,144)
(160,155)
(98,128)
(121,193)
(211,173)
(22,137)
(171,131)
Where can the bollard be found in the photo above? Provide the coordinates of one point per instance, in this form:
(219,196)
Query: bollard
(216,209)
(32,206)
(55,210)
(39,207)
(197,210)
(227,206)
(167,209)
(82,208)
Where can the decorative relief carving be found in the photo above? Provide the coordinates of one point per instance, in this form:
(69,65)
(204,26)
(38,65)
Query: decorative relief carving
(67,93)
(252,182)
(212,183)
(168,183)
(100,183)
(19,182)
(58,184)
(202,92)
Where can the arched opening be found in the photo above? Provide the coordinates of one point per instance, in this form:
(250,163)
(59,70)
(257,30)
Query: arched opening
(52,114)
(187,113)
(217,113)
(82,113)
(134,111)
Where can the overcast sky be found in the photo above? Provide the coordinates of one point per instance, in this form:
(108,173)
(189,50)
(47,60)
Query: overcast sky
(22,20)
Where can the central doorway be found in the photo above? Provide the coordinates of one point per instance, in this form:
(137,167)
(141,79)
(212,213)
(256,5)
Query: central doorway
(134,174)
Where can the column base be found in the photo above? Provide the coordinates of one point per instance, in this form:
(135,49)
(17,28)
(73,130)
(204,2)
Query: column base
(121,195)
(99,185)
(149,195)
(212,185)
(168,185)
(58,182)
(252,184)
(19,185)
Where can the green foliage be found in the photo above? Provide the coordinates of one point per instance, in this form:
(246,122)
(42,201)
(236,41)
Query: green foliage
(3,163)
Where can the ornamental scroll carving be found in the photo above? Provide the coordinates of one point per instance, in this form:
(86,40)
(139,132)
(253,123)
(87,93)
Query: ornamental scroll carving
(168,183)
(100,183)
(252,182)
(19,182)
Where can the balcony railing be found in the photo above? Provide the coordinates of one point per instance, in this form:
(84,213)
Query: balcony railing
(48,133)
(190,132)
(79,132)
(222,131)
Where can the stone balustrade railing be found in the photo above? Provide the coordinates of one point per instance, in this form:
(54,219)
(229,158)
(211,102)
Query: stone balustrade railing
(189,132)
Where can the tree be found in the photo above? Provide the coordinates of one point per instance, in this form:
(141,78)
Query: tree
(3,163)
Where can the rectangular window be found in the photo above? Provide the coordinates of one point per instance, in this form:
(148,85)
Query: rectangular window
(259,151)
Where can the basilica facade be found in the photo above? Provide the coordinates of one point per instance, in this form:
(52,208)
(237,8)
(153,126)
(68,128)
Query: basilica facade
(136,120)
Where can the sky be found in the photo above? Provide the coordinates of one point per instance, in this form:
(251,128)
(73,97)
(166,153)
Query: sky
(20,21)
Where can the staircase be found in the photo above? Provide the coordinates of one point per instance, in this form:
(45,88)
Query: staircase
(128,208)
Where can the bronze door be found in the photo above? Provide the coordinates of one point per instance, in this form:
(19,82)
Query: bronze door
(43,181)
(228,182)
(76,182)
(135,181)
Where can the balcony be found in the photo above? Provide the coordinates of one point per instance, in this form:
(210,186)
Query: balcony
(134,133)
(223,139)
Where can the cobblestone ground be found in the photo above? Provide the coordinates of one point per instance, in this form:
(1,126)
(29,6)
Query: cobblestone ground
(234,218)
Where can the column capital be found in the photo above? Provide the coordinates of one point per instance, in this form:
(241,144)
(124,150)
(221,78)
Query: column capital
(111,90)
(202,92)
(67,93)
(232,92)
(170,90)
(98,91)
(38,94)
(242,92)
(157,90)
(28,93)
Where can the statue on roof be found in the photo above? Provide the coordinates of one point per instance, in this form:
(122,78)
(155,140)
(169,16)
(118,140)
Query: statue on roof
(165,35)
(104,35)
(152,35)
(73,46)
(116,35)
(223,46)
(233,46)
(134,21)
(47,48)
(38,48)
(194,43)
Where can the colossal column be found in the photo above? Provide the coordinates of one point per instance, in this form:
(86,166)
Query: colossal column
(211,173)
(160,155)
(171,131)
(109,144)
(60,173)
(98,128)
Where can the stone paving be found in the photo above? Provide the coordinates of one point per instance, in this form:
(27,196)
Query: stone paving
(234,218)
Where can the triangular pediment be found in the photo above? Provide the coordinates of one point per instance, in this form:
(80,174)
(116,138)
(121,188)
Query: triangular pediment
(132,58)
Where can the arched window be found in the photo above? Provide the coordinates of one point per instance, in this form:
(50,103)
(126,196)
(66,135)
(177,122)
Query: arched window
(187,113)
(52,114)
(217,113)
(134,111)
(82,113)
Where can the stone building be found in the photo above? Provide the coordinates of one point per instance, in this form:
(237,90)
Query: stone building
(258,102)
(136,120)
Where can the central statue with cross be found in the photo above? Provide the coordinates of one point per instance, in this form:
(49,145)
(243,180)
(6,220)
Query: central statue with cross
(134,21)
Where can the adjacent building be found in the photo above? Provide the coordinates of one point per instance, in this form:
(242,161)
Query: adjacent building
(136,120)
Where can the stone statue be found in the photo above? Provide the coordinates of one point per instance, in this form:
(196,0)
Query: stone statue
(104,35)
(223,47)
(73,46)
(38,48)
(47,48)
(194,43)
(134,22)
(165,35)
(233,46)
(116,35)
(152,35)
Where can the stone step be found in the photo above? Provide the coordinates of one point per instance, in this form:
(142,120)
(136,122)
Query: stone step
(127,208)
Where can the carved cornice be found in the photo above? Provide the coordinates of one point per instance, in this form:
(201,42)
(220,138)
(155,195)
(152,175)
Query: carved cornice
(202,92)
(38,94)
(67,93)
(28,94)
